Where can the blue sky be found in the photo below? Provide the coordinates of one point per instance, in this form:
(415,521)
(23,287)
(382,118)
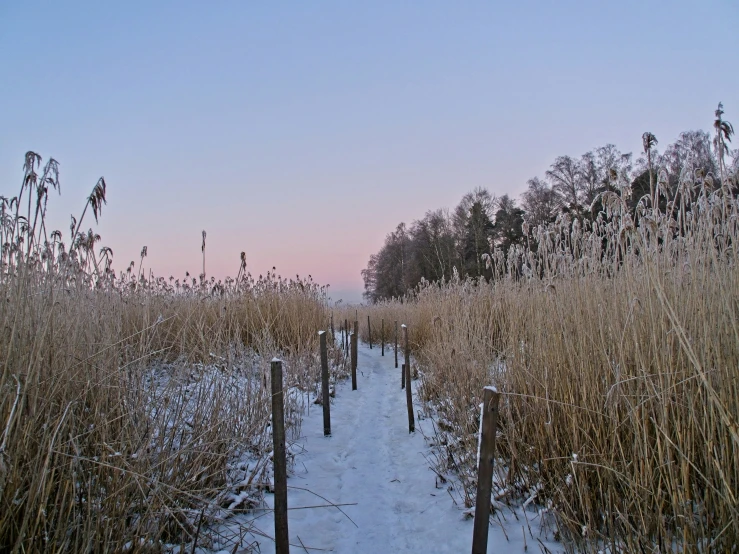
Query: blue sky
(303,132)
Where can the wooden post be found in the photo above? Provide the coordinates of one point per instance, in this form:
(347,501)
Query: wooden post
(382,335)
(324,386)
(355,342)
(332,326)
(282,544)
(408,387)
(402,376)
(485,470)
(396,345)
(341,330)
(369,331)
(346,327)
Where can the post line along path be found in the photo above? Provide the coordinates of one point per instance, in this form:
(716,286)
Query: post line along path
(374,463)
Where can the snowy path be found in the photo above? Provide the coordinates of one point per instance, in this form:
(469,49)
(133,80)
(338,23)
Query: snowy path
(373,461)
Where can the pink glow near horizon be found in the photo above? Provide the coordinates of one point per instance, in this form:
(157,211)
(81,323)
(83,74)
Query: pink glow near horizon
(303,136)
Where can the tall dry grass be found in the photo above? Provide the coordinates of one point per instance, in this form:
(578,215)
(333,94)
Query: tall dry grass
(132,408)
(616,348)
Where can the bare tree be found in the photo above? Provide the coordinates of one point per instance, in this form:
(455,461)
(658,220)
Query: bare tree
(690,152)
(433,247)
(462,211)
(540,202)
(387,273)
(564,175)
(591,178)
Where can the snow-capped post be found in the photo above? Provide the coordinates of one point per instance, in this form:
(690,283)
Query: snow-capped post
(355,341)
(408,388)
(282,545)
(324,386)
(396,345)
(382,335)
(488,428)
(369,331)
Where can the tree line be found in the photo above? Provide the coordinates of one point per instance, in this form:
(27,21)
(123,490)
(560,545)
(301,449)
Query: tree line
(446,243)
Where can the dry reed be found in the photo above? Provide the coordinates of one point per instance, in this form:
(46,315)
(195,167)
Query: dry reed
(132,408)
(616,347)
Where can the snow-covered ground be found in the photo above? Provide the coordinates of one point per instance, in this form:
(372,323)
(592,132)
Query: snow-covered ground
(391,501)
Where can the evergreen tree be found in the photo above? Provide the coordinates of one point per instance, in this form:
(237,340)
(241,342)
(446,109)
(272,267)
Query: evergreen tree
(478,230)
(508,228)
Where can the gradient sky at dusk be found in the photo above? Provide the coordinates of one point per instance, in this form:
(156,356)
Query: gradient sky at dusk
(303,132)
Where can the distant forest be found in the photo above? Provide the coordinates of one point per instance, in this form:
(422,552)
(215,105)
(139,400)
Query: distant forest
(445,242)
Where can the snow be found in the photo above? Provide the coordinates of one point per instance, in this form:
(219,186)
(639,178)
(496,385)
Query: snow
(404,326)
(373,483)
(276,359)
(479,433)
(491,388)
(321,333)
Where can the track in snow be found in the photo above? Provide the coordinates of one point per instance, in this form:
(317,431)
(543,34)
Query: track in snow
(371,460)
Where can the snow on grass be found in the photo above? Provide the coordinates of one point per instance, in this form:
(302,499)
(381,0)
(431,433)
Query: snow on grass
(210,424)
(370,487)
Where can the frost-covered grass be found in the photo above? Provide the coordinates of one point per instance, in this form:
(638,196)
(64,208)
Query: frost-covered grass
(132,408)
(615,346)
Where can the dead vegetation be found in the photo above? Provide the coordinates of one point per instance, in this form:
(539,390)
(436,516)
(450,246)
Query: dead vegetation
(616,346)
(134,408)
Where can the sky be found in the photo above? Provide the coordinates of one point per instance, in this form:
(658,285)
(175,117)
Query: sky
(303,132)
